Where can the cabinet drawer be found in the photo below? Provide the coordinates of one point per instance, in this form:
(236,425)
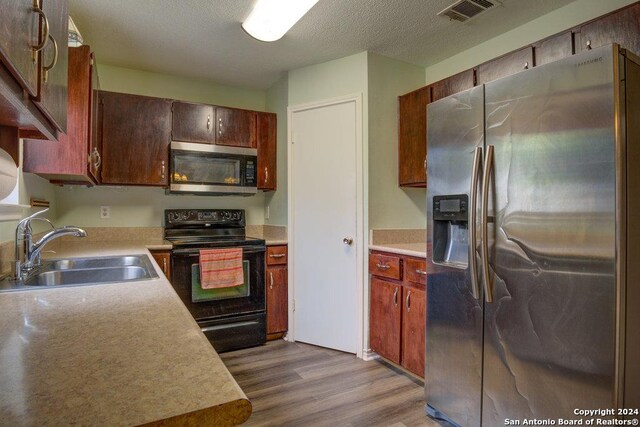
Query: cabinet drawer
(415,270)
(385,266)
(276,255)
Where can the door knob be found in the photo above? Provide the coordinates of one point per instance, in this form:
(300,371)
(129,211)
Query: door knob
(347,240)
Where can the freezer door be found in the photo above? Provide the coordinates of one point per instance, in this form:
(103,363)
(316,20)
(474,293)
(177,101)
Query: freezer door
(550,331)
(454,315)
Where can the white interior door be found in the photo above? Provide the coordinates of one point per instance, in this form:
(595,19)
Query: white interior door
(323,213)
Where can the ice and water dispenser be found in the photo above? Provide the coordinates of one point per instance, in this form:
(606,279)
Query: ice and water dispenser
(450,230)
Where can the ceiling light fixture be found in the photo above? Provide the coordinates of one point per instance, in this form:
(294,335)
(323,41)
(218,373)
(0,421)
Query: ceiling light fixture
(271,19)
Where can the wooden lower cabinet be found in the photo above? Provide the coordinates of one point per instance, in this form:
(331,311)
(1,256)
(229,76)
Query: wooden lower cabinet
(163,258)
(398,313)
(277,291)
(384,319)
(414,314)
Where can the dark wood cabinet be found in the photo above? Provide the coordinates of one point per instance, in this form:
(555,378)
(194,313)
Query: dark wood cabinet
(622,27)
(95,143)
(413,329)
(267,151)
(506,65)
(135,133)
(553,48)
(385,318)
(19,33)
(277,291)
(69,160)
(397,314)
(412,137)
(236,127)
(454,84)
(192,122)
(163,258)
(52,75)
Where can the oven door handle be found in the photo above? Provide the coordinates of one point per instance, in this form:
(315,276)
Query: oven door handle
(196,252)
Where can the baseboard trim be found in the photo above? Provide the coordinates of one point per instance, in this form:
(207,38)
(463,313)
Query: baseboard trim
(369,354)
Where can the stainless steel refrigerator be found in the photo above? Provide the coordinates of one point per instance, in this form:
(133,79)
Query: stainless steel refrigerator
(533,251)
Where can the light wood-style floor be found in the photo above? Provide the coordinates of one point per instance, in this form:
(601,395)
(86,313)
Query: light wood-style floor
(294,384)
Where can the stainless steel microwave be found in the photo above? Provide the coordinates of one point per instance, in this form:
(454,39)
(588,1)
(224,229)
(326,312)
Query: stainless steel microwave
(212,169)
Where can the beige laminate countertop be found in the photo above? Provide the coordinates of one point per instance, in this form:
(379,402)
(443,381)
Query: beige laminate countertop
(411,249)
(110,354)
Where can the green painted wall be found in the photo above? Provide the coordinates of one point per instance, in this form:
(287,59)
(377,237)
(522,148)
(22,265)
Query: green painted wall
(554,22)
(389,205)
(140,206)
(276,201)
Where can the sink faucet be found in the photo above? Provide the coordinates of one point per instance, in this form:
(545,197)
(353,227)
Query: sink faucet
(31,251)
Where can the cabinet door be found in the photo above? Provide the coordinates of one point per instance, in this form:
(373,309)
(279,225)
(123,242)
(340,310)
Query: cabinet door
(135,135)
(19,32)
(554,48)
(385,316)
(192,122)
(66,160)
(454,84)
(277,300)
(236,127)
(622,27)
(412,138)
(52,77)
(267,153)
(506,65)
(414,325)
(95,143)
(163,258)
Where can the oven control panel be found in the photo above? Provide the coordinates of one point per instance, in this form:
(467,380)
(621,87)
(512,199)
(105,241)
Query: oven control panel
(209,216)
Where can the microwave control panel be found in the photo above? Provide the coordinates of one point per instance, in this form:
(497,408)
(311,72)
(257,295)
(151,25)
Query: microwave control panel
(250,172)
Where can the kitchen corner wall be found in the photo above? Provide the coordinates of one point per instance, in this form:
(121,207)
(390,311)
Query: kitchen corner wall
(144,206)
(390,206)
(276,201)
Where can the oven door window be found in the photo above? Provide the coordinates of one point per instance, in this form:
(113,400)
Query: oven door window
(199,295)
(206,169)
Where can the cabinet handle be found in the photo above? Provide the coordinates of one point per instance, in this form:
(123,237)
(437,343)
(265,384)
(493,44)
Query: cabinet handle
(45,30)
(277,255)
(408,301)
(425,163)
(271,278)
(266,174)
(219,126)
(395,298)
(588,44)
(208,122)
(163,174)
(383,266)
(421,272)
(98,161)
(164,265)
(526,65)
(45,70)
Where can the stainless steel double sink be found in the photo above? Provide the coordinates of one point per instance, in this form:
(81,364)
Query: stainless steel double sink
(86,271)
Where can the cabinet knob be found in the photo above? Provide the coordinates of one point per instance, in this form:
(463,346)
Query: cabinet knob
(347,240)
(526,65)
(588,44)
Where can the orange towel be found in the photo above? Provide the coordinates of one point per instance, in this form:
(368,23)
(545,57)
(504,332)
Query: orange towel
(221,268)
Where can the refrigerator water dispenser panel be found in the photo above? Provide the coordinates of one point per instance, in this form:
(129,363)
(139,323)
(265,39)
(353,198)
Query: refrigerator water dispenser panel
(450,233)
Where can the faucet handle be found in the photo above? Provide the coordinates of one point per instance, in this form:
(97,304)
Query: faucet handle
(25,222)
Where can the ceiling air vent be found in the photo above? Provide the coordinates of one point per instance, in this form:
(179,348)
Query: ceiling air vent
(464,10)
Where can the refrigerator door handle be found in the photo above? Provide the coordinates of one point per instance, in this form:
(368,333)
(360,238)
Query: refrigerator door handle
(473,200)
(488,166)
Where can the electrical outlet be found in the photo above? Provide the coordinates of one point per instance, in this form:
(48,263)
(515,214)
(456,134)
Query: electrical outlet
(105,212)
(266,213)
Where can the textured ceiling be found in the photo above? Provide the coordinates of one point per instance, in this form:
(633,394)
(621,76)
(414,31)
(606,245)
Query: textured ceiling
(204,39)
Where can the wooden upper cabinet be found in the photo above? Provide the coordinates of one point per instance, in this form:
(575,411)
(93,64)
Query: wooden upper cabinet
(622,27)
(19,33)
(235,127)
(52,76)
(267,152)
(412,137)
(454,84)
(553,48)
(67,160)
(414,302)
(135,135)
(506,65)
(95,142)
(192,122)
(384,319)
